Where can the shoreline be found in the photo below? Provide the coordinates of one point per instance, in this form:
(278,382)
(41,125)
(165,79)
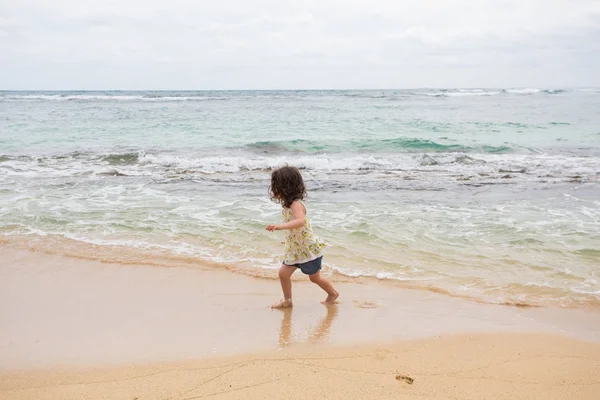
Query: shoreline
(120,255)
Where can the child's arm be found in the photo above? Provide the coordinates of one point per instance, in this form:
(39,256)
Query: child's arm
(298,221)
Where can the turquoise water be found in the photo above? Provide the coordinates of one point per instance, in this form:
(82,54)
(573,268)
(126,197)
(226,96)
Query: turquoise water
(485,193)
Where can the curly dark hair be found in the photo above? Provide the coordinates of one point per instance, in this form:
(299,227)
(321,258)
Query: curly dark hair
(287,185)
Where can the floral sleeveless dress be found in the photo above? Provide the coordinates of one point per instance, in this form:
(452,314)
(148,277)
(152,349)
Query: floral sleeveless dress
(301,245)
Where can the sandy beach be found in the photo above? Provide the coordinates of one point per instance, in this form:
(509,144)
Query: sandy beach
(481,366)
(74,329)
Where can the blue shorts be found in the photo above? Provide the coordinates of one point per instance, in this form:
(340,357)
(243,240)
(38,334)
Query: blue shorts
(310,267)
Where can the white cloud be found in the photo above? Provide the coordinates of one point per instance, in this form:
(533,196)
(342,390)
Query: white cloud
(186,44)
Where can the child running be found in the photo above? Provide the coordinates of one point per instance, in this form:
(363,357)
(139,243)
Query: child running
(303,249)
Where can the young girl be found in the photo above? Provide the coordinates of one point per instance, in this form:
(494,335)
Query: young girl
(303,249)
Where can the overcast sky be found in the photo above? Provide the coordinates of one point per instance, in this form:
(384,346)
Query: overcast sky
(265,44)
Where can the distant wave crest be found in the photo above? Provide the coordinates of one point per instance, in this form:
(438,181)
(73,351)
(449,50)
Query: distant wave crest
(178,96)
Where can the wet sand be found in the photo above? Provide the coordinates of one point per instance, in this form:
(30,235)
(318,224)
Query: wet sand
(152,332)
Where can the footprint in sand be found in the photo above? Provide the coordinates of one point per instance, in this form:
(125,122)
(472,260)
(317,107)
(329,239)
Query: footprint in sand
(365,304)
(405,378)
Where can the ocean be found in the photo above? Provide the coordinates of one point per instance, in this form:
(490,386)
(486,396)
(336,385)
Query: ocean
(487,194)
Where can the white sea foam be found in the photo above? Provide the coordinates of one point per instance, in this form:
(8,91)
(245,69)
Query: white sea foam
(227,164)
(421,166)
(63,97)
(216,96)
(523,91)
(461,94)
(106,97)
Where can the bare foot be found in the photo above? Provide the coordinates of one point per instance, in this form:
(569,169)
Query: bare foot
(283,304)
(331,299)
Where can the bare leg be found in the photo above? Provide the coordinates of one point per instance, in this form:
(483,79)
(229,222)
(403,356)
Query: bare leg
(285,275)
(324,284)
